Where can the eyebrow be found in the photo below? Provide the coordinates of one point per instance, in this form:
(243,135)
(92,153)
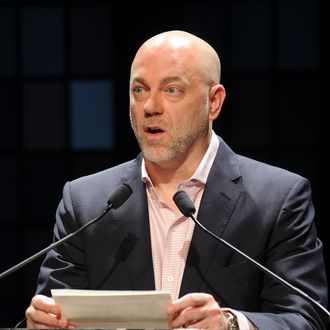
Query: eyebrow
(138,80)
(162,83)
(170,79)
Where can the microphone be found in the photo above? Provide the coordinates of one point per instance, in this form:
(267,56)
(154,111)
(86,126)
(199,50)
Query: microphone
(187,208)
(118,197)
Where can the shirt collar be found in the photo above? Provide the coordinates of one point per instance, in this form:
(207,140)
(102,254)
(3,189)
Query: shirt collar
(204,166)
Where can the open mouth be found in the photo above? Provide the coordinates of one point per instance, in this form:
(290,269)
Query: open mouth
(153,130)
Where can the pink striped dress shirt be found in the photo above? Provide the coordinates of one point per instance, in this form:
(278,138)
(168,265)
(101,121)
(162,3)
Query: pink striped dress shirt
(171,233)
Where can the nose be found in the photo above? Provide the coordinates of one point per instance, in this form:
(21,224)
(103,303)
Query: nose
(153,105)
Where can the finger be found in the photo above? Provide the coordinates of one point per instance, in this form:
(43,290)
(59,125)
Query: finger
(190,316)
(42,326)
(206,325)
(43,312)
(188,301)
(177,310)
(46,304)
(216,322)
(181,320)
(40,319)
(203,312)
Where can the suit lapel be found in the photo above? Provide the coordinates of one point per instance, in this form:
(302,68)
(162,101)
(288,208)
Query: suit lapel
(134,225)
(218,203)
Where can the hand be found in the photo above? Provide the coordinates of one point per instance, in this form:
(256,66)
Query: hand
(44,313)
(196,310)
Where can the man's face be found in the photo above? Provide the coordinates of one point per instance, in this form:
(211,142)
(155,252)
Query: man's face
(169,104)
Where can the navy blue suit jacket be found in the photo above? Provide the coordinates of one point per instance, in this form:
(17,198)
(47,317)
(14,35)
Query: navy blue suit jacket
(263,210)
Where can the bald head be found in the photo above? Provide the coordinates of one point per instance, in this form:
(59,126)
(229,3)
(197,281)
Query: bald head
(193,51)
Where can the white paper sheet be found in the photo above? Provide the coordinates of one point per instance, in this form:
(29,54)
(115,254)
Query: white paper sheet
(114,309)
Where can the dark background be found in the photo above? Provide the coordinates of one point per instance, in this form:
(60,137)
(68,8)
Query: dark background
(64,72)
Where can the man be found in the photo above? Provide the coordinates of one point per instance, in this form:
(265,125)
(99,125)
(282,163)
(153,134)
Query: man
(147,244)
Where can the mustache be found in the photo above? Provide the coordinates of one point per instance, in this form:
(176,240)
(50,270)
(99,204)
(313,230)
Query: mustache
(155,122)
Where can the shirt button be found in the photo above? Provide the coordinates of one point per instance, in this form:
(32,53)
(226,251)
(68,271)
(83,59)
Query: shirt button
(170,278)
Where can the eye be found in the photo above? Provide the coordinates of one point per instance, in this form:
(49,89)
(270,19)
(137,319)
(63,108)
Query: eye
(173,90)
(138,90)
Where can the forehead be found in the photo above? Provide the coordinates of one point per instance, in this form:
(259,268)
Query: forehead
(152,63)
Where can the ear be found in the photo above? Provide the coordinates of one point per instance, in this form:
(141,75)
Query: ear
(217,96)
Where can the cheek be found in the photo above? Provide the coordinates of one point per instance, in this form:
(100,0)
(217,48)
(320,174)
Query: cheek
(133,110)
(136,109)
(184,123)
(194,114)
(132,118)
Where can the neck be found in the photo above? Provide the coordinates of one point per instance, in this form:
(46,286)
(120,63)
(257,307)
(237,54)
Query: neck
(167,175)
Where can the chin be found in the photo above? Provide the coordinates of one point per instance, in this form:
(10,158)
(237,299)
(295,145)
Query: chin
(157,156)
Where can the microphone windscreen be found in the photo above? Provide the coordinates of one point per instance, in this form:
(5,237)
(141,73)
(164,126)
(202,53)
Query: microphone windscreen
(119,196)
(184,203)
